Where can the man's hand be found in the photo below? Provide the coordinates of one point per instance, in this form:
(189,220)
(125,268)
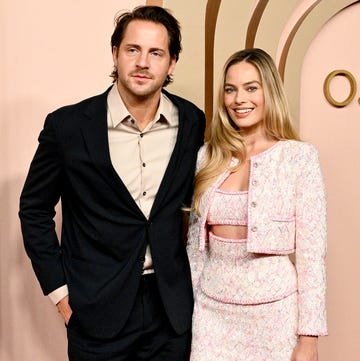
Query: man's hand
(306,349)
(64,309)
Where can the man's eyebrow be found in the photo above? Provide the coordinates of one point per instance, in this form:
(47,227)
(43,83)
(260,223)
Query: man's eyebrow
(137,46)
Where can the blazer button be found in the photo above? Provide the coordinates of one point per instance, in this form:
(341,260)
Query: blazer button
(256,165)
(253,204)
(253,229)
(254,182)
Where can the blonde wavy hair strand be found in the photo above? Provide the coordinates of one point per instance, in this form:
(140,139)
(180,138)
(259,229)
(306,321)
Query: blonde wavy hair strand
(225,140)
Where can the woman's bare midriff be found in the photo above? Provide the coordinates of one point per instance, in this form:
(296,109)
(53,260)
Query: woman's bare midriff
(228,231)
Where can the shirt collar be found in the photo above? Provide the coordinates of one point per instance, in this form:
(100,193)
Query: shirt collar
(118,111)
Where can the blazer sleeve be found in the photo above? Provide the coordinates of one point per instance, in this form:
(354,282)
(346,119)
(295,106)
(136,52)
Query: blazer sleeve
(39,196)
(311,245)
(196,256)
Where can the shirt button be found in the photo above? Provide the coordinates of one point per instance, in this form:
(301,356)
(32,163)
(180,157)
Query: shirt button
(144,193)
(132,121)
(253,204)
(141,135)
(253,228)
(144,165)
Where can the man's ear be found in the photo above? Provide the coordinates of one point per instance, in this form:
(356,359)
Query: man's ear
(172,65)
(115,52)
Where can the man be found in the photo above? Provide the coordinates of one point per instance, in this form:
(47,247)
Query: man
(122,164)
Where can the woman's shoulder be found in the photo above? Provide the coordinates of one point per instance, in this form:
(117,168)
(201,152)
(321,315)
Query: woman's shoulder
(298,146)
(201,156)
(202,150)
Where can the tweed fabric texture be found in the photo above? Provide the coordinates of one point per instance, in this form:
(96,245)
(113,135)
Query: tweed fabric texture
(234,212)
(286,214)
(229,332)
(233,275)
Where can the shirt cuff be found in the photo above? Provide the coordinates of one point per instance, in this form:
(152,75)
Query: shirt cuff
(57,295)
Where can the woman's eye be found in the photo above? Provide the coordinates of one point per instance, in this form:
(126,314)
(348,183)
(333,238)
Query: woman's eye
(229,90)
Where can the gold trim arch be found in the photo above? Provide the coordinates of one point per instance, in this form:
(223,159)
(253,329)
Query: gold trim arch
(294,23)
(254,22)
(211,15)
(304,23)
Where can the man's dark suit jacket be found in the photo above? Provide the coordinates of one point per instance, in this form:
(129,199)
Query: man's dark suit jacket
(104,233)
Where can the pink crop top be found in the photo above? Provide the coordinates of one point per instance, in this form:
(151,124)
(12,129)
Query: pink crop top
(228,207)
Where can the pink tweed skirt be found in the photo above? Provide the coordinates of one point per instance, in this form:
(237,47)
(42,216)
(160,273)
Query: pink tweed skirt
(231,332)
(235,331)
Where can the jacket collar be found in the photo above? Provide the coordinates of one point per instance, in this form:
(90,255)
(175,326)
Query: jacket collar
(95,133)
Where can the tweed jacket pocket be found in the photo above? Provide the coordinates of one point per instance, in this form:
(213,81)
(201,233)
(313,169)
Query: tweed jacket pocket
(282,234)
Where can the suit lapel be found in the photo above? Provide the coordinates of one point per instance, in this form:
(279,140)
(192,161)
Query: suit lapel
(170,173)
(95,133)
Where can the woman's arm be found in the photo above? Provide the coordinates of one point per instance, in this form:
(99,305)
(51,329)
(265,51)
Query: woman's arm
(306,349)
(311,245)
(196,257)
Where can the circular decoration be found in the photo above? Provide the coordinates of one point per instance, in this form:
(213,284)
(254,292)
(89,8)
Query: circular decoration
(352,82)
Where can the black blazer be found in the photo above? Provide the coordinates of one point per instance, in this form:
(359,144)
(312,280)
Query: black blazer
(104,233)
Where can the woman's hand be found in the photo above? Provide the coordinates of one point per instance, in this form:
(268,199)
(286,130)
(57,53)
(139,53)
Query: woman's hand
(306,349)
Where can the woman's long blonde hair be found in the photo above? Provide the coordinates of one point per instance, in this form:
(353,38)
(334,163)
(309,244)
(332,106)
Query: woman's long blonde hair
(225,140)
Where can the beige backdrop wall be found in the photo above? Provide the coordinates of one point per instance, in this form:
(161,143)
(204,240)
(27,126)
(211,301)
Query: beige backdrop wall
(54,53)
(336,133)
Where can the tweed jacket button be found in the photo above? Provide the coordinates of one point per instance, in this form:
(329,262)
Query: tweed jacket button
(253,204)
(253,228)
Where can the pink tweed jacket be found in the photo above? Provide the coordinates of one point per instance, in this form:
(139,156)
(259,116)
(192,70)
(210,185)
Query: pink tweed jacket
(286,214)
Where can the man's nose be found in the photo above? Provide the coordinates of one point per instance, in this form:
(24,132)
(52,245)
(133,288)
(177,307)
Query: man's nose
(142,60)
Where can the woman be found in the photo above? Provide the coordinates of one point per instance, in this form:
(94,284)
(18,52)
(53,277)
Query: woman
(259,197)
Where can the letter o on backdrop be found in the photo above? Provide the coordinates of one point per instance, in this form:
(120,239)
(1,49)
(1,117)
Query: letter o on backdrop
(352,82)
